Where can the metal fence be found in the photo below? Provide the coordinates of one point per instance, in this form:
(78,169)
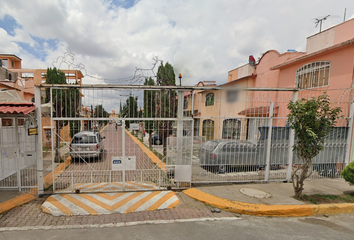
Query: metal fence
(18,158)
(248,138)
(153,137)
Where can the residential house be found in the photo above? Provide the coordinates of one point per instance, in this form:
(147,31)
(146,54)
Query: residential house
(30,77)
(326,66)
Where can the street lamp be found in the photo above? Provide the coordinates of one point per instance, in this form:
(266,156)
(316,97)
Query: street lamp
(180,79)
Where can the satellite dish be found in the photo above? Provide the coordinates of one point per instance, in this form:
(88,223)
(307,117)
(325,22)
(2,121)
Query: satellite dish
(252,61)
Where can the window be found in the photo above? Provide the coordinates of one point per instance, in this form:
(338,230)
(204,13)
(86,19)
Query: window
(209,99)
(12,64)
(208,129)
(232,96)
(5,63)
(20,121)
(313,75)
(231,129)
(6,122)
(84,139)
(185,103)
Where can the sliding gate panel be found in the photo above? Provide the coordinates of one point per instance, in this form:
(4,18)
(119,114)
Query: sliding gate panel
(112,139)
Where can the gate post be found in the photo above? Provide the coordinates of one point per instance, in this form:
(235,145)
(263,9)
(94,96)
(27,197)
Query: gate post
(179,125)
(123,151)
(291,144)
(18,161)
(39,154)
(350,134)
(269,141)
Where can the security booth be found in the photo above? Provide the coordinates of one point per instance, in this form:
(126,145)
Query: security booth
(18,143)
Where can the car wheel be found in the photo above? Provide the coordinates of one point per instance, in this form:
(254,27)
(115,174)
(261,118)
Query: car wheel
(157,142)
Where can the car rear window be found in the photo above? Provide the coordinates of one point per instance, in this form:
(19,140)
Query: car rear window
(210,145)
(84,139)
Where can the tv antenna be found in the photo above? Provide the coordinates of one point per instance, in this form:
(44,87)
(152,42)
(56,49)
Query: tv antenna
(318,21)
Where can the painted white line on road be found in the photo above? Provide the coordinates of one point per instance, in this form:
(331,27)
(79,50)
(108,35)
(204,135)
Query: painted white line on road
(114,225)
(76,210)
(111,202)
(53,209)
(97,208)
(169,202)
(147,204)
(124,208)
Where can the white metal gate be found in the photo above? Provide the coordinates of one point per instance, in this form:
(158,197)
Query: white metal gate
(158,137)
(18,158)
(122,140)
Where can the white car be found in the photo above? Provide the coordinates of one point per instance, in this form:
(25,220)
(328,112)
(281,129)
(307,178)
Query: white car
(87,145)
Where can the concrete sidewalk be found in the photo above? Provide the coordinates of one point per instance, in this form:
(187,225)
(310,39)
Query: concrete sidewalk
(273,199)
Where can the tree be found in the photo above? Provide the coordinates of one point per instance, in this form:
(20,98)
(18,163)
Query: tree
(311,120)
(98,112)
(348,173)
(66,103)
(166,101)
(130,109)
(149,107)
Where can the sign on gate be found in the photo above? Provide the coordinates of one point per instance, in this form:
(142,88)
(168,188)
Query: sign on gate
(134,126)
(32,131)
(124,163)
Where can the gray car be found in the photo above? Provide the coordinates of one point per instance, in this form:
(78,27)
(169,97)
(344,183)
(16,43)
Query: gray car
(87,145)
(221,155)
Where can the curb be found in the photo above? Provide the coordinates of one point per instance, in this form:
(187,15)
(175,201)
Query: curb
(15,202)
(269,210)
(148,152)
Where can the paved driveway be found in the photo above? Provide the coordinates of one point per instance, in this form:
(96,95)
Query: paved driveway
(96,175)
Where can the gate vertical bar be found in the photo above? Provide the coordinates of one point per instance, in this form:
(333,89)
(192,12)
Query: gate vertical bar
(39,153)
(123,150)
(179,126)
(350,134)
(18,168)
(269,141)
(291,144)
(190,184)
(52,136)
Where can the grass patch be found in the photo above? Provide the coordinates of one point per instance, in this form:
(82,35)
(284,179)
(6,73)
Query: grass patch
(321,198)
(159,155)
(50,188)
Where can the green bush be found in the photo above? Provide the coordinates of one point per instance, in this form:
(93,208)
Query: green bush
(348,173)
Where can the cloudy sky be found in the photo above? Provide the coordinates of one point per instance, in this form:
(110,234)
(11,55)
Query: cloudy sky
(202,39)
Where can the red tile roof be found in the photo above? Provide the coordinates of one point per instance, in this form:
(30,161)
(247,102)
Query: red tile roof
(261,111)
(16,108)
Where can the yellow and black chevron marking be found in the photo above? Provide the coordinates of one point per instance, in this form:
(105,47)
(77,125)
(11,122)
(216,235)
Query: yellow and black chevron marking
(106,203)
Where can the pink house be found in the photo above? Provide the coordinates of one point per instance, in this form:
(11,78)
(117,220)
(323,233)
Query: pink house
(326,66)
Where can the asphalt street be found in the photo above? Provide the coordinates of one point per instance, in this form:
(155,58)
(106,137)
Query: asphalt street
(334,227)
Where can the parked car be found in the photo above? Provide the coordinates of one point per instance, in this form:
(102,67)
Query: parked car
(221,155)
(156,140)
(87,144)
(119,123)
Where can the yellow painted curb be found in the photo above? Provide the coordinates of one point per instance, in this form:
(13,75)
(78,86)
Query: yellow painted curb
(148,152)
(48,179)
(103,128)
(269,210)
(15,202)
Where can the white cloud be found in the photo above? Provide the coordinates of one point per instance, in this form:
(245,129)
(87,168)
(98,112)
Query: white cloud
(202,39)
